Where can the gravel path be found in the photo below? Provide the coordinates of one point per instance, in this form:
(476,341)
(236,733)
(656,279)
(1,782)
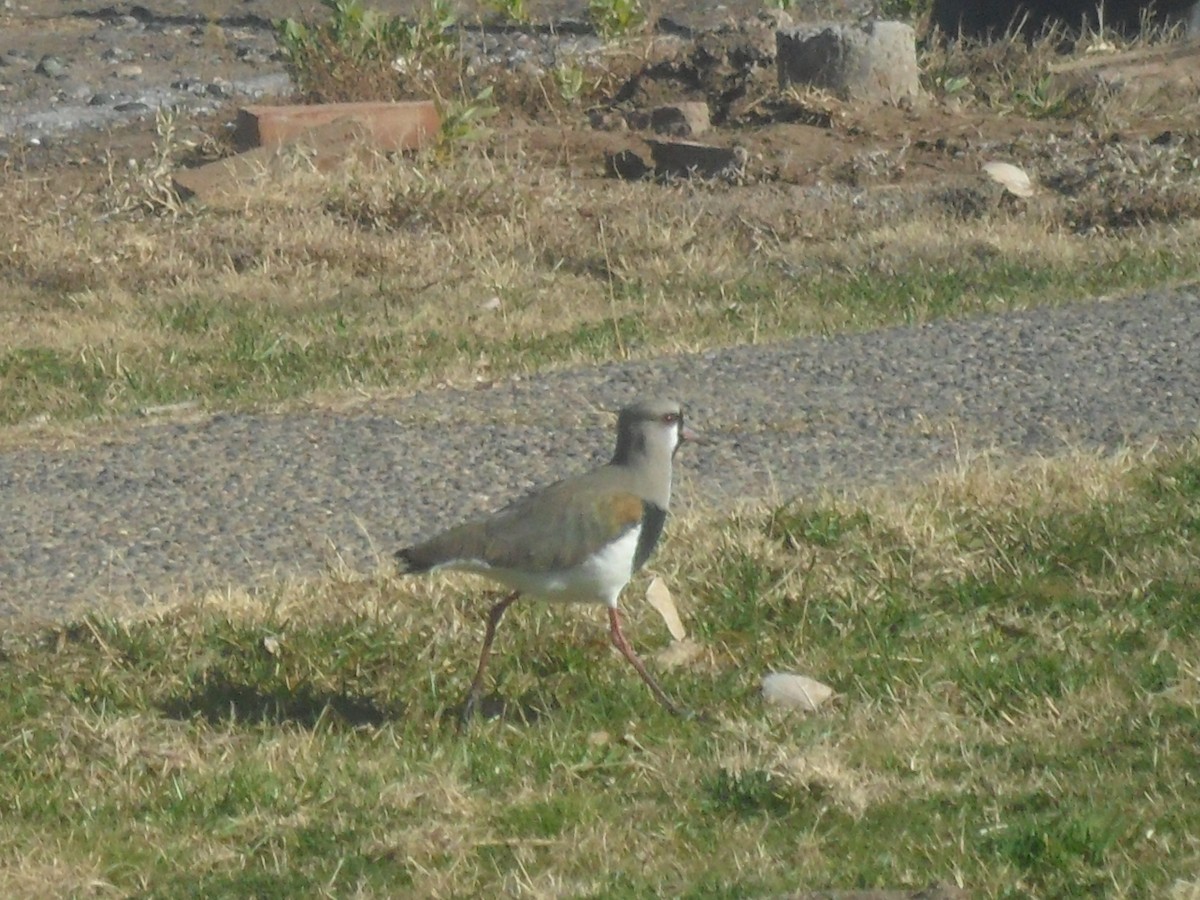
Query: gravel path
(239,498)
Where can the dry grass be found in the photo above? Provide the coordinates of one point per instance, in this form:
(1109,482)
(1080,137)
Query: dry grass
(1014,651)
(484,263)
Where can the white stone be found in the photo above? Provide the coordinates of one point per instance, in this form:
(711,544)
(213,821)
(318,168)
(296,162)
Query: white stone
(1012,178)
(795,691)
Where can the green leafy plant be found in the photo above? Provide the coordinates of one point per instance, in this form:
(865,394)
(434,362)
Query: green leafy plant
(357,51)
(906,10)
(463,119)
(613,18)
(510,10)
(954,83)
(146,183)
(1041,100)
(568,78)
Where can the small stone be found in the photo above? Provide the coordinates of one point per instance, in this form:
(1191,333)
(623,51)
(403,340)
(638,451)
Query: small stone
(795,691)
(116,55)
(637,119)
(681,119)
(14,59)
(101,99)
(606,120)
(133,106)
(51,67)
(250,54)
(219,89)
(128,70)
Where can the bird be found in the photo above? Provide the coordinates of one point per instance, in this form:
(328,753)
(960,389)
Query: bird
(580,539)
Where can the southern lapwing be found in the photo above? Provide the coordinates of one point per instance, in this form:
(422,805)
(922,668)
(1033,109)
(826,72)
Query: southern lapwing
(580,539)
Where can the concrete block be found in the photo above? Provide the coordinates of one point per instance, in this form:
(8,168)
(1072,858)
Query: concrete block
(875,62)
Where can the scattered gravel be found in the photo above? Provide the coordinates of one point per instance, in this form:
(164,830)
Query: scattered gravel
(240,498)
(143,58)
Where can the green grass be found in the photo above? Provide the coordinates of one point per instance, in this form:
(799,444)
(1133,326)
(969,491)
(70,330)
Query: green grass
(1019,711)
(230,352)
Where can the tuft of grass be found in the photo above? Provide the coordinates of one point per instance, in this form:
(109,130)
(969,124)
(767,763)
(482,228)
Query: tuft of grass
(1027,73)
(1018,715)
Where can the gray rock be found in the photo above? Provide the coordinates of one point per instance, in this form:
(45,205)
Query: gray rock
(681,119)
(51,67)
(116,55)
(255,56)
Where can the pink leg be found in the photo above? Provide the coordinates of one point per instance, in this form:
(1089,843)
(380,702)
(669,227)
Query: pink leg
(618,639)
(493,619)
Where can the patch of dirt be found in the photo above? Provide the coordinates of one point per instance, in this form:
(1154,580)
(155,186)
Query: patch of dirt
(112,63)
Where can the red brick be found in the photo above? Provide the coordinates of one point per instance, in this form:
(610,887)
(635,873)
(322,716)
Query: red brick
(391,126)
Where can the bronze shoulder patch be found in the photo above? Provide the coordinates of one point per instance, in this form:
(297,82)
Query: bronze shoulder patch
(626,510)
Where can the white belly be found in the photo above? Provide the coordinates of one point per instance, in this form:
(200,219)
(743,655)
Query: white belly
(598,580)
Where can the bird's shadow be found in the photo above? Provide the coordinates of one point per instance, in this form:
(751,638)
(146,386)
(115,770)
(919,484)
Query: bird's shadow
(219,699)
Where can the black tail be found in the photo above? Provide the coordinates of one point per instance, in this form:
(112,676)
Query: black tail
(408,564)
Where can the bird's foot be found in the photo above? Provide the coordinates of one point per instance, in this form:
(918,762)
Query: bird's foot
(469,708)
